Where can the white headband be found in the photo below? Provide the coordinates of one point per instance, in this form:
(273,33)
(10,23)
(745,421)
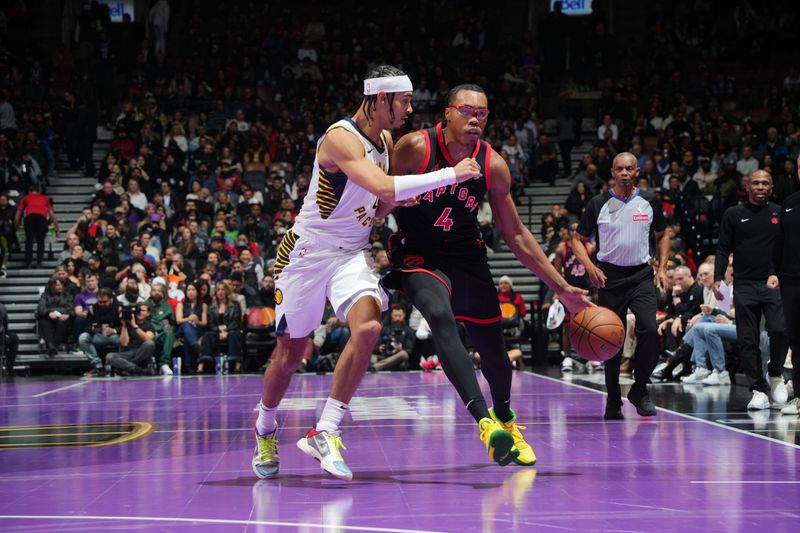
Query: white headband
(389,84)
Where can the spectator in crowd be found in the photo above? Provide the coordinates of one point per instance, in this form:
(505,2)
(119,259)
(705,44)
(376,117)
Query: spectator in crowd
(38,212)
(158,25)
(192,319)
(606,127)
(54,314)
(224,322)
(747,164)
(577,200)
(9,342)
(162,318)
(136,344)
(546,167)
(395,344)
(713,326)
(83,301)
(7,233)
(513,321)
(684,305)
(102,332)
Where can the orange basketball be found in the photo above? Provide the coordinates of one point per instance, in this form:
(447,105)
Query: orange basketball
(596,333)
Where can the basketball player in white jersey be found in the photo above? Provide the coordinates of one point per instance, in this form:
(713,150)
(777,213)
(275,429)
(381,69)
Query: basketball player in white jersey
(325,255)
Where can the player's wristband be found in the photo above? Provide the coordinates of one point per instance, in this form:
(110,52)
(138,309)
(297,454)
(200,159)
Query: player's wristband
(406,187)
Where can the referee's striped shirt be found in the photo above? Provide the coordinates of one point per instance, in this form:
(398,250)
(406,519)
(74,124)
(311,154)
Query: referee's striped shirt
(623,228)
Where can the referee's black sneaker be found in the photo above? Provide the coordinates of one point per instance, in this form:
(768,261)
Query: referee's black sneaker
(613,411)
(644,406)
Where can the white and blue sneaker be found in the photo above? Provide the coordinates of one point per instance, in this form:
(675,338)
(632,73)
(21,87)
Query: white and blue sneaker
(324,447)
(265,457)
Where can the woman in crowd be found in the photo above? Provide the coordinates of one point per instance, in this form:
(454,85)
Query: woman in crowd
(192,318)
(224,321)
(54,314)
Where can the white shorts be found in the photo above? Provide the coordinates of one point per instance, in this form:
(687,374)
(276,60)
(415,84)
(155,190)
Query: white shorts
(312,275)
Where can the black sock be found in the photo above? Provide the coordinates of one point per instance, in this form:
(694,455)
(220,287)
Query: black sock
(478,410)
(502,410)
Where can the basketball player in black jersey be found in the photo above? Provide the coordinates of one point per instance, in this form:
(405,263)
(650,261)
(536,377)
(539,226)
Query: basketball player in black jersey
(441,265)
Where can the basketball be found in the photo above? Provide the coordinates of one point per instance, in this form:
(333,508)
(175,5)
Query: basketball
(596,333)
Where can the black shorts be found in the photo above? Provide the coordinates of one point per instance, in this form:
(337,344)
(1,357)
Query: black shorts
(469,282)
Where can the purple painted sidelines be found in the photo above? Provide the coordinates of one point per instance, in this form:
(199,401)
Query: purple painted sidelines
(418,463)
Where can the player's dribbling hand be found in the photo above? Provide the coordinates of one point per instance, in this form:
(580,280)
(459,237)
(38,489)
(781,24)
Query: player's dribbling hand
(574,299)
(467,169)
(597,277)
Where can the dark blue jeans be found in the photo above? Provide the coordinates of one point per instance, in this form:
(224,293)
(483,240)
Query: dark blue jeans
(190,334)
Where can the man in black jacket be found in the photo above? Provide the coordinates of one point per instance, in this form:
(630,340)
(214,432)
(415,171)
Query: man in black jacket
(136,341)
(103,333)
(395,344)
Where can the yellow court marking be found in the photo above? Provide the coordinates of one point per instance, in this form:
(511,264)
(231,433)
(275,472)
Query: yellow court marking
(47,435)
(64,434)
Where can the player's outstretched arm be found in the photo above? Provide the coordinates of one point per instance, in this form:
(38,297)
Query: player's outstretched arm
(341,150)
(522,242)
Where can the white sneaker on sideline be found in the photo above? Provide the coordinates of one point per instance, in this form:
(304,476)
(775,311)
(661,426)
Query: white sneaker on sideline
(792,408)
(566,364)
(695,378)
(718,378)
(778,389)
(760,401)
(166,370)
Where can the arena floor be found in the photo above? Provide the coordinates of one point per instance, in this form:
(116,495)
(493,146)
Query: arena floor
(174,455)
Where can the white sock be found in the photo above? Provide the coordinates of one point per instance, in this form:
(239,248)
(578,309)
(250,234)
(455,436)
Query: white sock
(265,423)
(332,416)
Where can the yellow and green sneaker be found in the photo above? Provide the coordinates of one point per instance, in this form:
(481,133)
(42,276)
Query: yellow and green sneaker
(499,442)
(525,455)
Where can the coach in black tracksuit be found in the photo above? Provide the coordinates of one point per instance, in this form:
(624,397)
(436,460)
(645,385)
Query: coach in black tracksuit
(787,264)
(750,231)
(625,222)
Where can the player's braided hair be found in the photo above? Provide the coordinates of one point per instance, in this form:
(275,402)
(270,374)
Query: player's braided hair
(369,102)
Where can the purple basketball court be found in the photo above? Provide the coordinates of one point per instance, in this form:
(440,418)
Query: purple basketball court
(174,454)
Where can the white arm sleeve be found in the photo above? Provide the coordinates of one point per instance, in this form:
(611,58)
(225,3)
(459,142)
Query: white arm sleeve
(409,186)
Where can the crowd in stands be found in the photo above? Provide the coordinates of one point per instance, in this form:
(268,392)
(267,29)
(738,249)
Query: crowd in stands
(215,123)
(213,144)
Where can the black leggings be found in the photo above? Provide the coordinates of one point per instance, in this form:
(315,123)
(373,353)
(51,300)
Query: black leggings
(35,229)
(431,297)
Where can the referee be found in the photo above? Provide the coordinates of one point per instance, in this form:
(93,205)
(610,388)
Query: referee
(624,222)
(750,232)
(787,264)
